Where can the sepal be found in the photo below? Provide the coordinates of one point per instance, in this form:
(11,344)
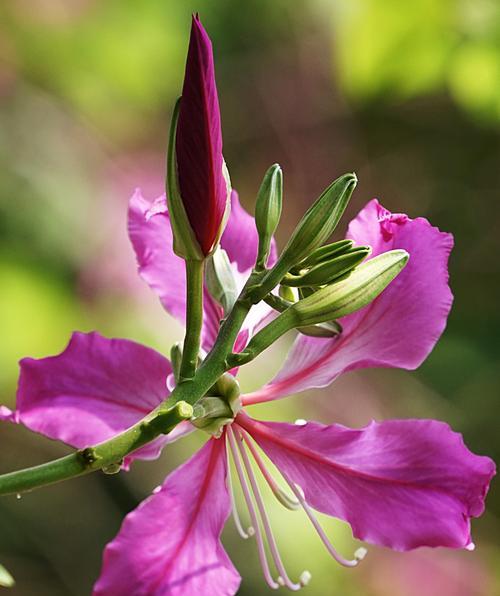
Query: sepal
(185,244)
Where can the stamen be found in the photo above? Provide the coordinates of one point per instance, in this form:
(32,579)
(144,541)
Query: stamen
(283,498)
(360,552)
(265,520)
(251,509)
(234,509)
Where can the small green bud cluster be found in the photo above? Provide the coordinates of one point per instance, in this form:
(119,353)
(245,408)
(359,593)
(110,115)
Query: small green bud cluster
(318,283)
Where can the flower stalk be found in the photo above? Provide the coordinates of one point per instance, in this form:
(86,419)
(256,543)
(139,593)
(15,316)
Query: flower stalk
(194,318)
(162,420)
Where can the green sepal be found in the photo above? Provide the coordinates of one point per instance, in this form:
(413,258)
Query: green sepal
(364,284)
(220,281)
(176,359)
(213,412)
(185,244)
(325,272)
(268,211)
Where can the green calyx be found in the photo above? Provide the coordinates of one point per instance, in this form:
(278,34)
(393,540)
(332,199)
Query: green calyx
(185,244)
(219,407)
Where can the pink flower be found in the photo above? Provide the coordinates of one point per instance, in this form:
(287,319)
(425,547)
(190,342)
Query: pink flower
(400,483)
(202,184)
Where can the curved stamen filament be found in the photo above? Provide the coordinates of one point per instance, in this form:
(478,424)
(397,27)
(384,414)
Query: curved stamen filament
(265,519)
(251,509)
(358,555)
(234,510)
(280,494)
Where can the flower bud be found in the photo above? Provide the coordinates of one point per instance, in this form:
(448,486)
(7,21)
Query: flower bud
(198,188)
(326,272)
(220,280)
(345,297)
(268,211)
(324,253)
(317,225)
(329,303)
(319,221)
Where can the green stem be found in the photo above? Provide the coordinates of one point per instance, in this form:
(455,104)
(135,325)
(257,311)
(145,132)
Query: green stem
(286,321)
(194,318)
(176,408)
(160,421)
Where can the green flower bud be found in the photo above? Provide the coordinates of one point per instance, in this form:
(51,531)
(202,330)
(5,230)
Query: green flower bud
(220,280)
(327,271)
(343,298)
(317,225)
(324,253)
(330,302)
(268,211)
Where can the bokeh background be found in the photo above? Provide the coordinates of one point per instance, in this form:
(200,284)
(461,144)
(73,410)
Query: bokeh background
(405,94)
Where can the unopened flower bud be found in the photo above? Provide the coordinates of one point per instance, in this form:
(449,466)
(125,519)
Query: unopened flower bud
(317,225)
(220,281)
(268,211)
(327,271)
(359,289)
(197,182)
(330,302)
(324,253)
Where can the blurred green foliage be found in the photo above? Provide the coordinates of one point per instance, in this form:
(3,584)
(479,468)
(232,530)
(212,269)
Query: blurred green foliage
(390,52)
(406,94)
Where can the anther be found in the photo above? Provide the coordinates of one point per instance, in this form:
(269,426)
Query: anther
(305,578)
(358,555)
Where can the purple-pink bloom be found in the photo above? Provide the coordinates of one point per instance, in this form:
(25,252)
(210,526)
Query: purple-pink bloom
(202,184)
(400,483)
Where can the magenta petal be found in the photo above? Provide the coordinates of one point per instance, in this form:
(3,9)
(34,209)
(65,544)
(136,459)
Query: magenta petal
(401,483)
(151,236)
(94,389)
(171,543)
(202,184)
(399,328)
